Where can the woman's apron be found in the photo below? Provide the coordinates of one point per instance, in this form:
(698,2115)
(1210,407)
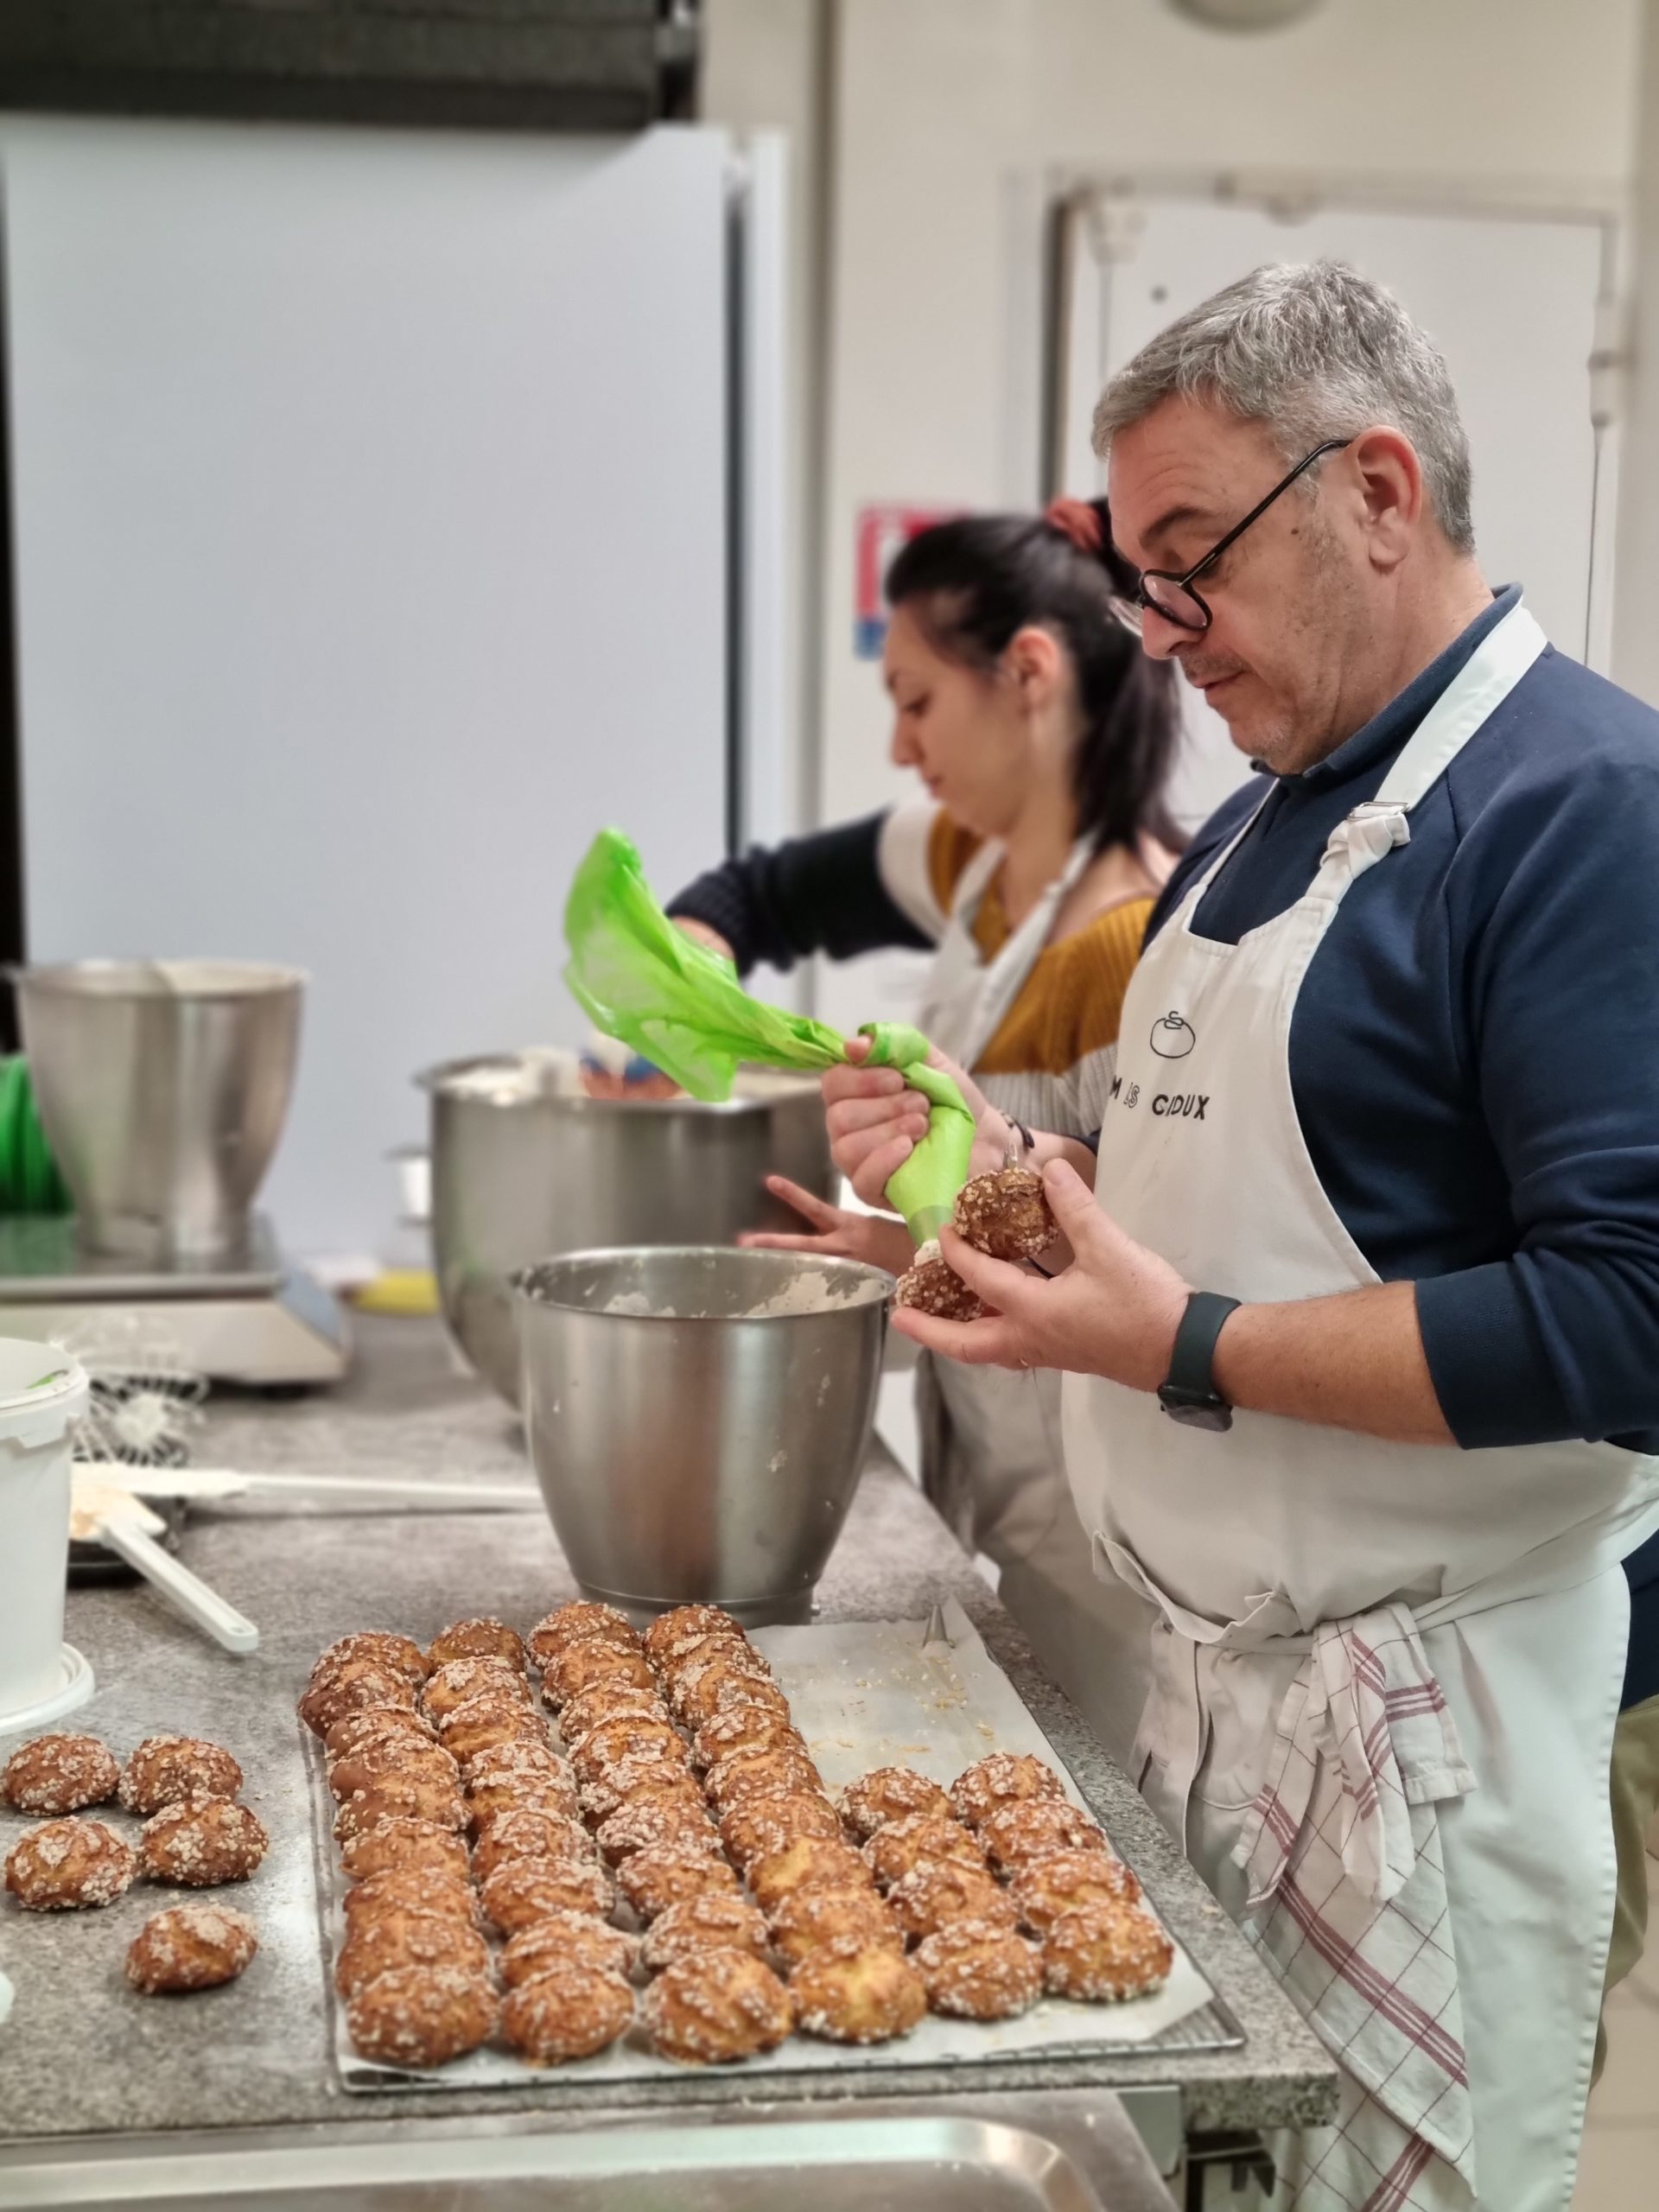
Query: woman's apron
(991,1458)
(1385,1677)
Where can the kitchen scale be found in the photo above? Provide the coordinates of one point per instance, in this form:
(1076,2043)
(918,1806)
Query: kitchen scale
(249,1317)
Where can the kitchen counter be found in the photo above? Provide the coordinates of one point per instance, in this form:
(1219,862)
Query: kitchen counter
(82,2055)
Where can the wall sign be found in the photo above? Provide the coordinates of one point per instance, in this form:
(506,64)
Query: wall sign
(879,533)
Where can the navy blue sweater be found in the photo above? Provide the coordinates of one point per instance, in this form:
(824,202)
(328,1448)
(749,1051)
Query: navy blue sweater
(1474,1054)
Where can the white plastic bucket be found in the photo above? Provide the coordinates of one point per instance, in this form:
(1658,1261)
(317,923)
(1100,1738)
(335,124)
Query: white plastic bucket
(42,1392)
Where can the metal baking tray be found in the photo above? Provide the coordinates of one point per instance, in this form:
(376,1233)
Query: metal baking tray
(864,1694)
(898,2162)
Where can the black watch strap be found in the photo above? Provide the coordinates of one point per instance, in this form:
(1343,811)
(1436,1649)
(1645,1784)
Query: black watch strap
(1189,1393)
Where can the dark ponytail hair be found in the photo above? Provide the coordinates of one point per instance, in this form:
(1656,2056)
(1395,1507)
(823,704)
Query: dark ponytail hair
(973,581)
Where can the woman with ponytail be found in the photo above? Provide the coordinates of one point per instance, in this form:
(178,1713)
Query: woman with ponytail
(1043,738)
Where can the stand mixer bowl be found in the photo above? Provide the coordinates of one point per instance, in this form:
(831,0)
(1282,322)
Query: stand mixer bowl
(521,1170)
(162,1086)
(698,1418)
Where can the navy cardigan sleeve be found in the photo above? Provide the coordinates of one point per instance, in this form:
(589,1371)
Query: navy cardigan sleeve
(821,893)
(1553,935)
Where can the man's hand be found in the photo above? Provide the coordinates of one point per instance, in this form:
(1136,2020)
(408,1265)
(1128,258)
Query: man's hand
(878,1239)
(1114,1311)
(1354,1360)
(875,1121)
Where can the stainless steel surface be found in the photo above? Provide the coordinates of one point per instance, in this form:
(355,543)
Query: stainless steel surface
(520,1173)
(162,1086)
(43,1257)
(240,1315)
(1013,2154)
(293,1333)
(693,1447)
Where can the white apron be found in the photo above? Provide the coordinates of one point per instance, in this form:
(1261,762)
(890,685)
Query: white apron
(992,1462)
(1384,1677)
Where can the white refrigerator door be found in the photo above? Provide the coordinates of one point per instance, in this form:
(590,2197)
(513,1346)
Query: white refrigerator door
(371,514)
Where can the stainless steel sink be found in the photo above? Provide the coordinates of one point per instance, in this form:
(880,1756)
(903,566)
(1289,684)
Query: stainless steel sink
(849,2162)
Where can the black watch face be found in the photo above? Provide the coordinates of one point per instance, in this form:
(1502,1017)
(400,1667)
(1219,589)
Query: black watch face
(1211,1414)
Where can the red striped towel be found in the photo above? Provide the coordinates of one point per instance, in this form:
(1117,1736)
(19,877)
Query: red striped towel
(1347,1904)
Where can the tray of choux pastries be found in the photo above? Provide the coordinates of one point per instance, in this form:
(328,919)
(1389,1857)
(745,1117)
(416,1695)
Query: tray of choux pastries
(587,1852)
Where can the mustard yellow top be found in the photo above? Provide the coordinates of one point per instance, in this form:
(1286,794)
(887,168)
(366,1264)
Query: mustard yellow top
(1072,1000)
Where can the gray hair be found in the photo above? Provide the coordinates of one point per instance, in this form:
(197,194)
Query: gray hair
(1315,350)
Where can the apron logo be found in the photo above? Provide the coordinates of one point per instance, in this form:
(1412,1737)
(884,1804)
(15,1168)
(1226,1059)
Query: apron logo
(1171,1038)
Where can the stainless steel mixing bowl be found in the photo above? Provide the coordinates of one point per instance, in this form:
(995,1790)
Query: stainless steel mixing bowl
(697,1417)
(521,1171)
(163,1087)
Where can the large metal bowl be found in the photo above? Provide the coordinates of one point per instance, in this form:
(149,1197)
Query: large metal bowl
(698,1419)
(521,1171)
(163,1087)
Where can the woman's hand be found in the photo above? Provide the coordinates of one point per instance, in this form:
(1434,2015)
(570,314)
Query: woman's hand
(1114,1311)
(876,1121)
(877,1239)
(700,933)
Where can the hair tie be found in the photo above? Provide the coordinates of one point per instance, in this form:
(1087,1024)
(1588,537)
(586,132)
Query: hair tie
(1080,522)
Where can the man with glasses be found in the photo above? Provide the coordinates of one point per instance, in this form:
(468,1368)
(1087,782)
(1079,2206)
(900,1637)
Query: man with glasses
(1361,1325)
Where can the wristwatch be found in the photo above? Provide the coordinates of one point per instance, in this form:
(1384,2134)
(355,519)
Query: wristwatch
(1188,1394)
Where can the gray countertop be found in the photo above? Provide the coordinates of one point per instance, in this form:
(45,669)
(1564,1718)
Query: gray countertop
(81,2054)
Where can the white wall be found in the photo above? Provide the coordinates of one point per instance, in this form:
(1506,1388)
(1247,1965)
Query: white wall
(948,107)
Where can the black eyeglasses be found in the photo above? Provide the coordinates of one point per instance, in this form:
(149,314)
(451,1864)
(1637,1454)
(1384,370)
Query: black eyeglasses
(1172,596)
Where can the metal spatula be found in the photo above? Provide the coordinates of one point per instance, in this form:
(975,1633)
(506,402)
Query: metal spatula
(208,1483)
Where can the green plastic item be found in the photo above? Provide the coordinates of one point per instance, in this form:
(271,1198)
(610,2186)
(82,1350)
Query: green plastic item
(924,1189)
(29,1180)
(679,1004)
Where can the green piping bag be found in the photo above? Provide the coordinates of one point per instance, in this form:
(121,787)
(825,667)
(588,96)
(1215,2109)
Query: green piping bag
(680,1006)
(924,1189)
